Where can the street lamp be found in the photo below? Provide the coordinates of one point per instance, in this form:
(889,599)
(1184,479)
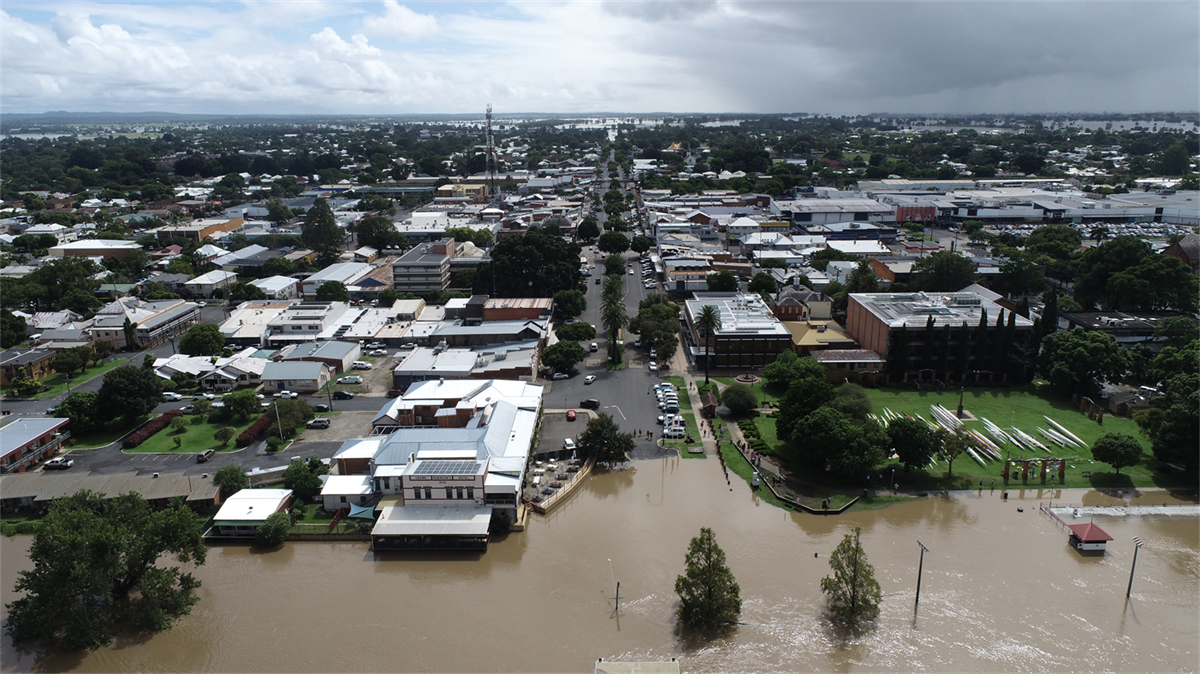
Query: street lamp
(1137,545)
(920,568)
(172,340)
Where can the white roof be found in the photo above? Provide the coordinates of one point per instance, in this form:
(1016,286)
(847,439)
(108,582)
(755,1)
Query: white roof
(92,244)
(861,247)
(346,485)
(217,276)
(433,521)
(274,284)
(252,505)
(360,448)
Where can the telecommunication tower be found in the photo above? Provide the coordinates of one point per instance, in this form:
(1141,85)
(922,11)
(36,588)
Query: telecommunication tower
(493,190)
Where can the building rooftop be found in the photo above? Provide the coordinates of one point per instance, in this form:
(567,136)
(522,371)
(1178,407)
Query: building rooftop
(251,505)
(22,431)
(741,314)
(914,309)
(292,369)
(427,521)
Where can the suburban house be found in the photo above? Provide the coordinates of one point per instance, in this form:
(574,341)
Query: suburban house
(242,513)
(278,287)
(62,233)
(205,284)
(342,490)
(36,364)
(220,374)
(295,375)
(27,441)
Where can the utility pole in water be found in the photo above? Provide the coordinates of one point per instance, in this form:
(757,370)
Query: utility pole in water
(1137,545)
(920,569)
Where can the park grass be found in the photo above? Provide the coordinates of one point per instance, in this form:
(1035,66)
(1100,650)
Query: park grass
(685,401)
(58,381)
(765,394)
(102,437)
(195,440)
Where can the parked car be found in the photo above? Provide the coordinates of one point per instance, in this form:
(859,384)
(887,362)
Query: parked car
(205,455)
(653,352)
(321,409)
(590,403)
(343,395)
(595,347)
(570,415)
(408,347)
(395,393)
(59,463)
(558,376)
(568,444)
(378,352)
(171,396)
(361,365)
(653,366)
(52,409)
(353,379)
(589,379)
(376,345)
(319,422)
(204,396)
(637,342)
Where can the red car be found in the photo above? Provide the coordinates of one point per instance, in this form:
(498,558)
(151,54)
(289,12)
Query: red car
(570,415)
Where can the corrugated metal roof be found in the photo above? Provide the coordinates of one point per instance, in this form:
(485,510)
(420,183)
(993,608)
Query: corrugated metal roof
(433,521)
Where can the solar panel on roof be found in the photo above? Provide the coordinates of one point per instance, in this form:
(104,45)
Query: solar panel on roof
(447,467)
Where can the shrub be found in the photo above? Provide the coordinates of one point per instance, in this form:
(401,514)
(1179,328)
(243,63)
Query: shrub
(28,528)
(274,530)
(148,429)
(254,432)
(179,424)
(274,443)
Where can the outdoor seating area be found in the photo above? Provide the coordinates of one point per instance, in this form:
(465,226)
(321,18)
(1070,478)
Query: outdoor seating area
(552,478)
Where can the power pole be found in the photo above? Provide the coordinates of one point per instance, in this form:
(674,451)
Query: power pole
(1137,545)
(920,568)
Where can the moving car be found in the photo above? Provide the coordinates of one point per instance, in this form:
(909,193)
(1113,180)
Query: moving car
(378,352)
(171,396)
(631,272)
(590,403)
(343,395)
(52,409)
(321,408)
(319,422)
(653,352)
(205,455)
(653,366)
(595,347)
(589,379)
(395,393)
(204,396)
(286,394)
(558,376)
(59,463)
(353,379)
(570,415)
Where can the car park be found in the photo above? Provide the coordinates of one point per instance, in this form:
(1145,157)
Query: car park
(378,352)
(171,397)
(342,395)
(205,455)
(570,415)
(590,403)
(319,422)
(589,379)
(353,379)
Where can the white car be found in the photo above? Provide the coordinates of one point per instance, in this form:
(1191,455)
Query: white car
(59,463)
(204,396)
(376,345)
(286,394)
(355,379)
(653,366)
(558,376)
(378,352)
(589,379)
(359,365)
(568,444)
(631,272)
(171,397)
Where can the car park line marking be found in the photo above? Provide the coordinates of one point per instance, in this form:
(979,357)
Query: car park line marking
(618,409)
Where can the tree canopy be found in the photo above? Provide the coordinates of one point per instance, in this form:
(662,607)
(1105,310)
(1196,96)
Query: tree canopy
(603,439)
(912,440)
(231,479)
(613,242)
(722,282)
(304,482)
(128,392)
(709,595)
(379,233)
(1117,450)
(739,398)
(332,291)
(563,356)
(321,233)
(570,303)
(942,271)
(95,565)
(577,331)
(204,339)
(851,589)
(538,263)
(1078,361)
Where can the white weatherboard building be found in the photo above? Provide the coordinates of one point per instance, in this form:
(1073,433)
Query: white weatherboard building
(242,513)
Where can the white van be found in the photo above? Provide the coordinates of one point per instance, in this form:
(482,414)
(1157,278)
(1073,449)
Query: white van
(675,434)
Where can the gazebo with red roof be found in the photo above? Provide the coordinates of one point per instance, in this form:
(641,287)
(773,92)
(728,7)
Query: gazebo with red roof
(1088,538)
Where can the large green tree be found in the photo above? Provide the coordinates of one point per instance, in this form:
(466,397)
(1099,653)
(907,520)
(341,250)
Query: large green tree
(128,393)
(577,331)
(613,242)
(563,356)
(943,271)
(1078,361)
(12,329)
(231,479)
(603,439)
(538,263)
(302,480)
(570,303)
(1117,450)
(722,282)
(739,398)
(851,590)
(97,563)
(1178,434)
(804,395)
(380,233)
(912,440)
(709,595)
(320,232)
(204,339)
(332,291)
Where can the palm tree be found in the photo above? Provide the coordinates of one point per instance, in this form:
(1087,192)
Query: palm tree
(612,314)
(709,320)
(1099,233)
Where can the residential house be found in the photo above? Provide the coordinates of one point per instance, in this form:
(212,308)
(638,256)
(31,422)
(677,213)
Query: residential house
(278,287)
(337,355)
(60,232)
(205,284)
(295,375)
(245,511)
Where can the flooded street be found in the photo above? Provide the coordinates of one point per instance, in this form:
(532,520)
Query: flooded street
(1002,591)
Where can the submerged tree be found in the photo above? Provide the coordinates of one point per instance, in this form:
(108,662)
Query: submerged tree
(709,594)
(96,563)
(851,590)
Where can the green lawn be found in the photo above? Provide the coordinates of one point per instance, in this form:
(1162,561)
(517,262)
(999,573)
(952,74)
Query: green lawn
(685,401)
(58,382)
(764,394)
(196,439)
(1005,408)
(101,438)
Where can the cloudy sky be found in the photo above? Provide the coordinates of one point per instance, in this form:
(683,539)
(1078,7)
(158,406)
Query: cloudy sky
(389,57)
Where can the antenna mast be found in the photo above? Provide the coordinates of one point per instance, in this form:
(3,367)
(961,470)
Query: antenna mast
(493,191)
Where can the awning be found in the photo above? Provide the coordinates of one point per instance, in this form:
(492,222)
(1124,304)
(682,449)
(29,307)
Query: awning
(362,511)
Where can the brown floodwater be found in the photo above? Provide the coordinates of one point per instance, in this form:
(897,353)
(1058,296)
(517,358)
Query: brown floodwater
(1002,591)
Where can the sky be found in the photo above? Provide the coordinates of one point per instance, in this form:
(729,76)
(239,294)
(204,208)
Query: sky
(389,57)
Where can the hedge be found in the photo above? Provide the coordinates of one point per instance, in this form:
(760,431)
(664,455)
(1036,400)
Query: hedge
(254,432)
(146,430)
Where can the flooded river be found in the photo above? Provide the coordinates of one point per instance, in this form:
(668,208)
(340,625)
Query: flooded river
(1002,591)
